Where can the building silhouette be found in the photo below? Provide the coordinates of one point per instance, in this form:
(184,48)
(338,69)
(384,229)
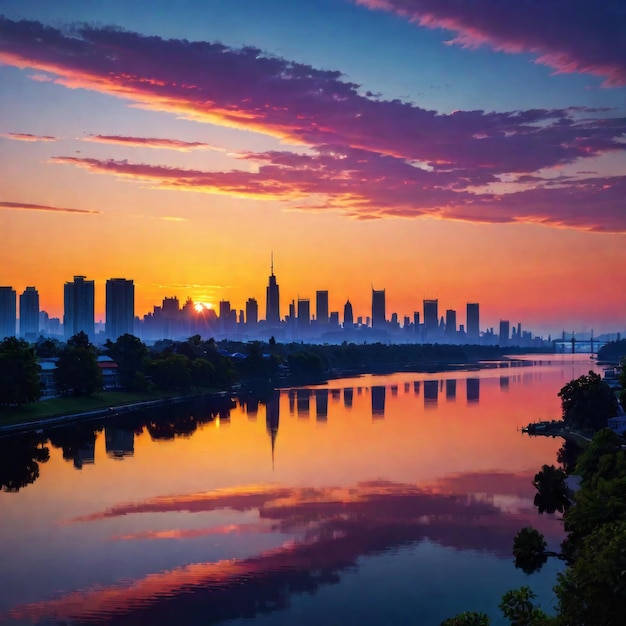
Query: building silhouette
(450,323)
(504,332)
(8,300)
(29,313)
(272,306)
(120,307)
(252,312)
(321,307)
(348,315)
(378,308)
(431,317)
(78,307)
(304,313)
(472,318)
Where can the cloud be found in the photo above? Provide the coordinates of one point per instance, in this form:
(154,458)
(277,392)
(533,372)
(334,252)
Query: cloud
(43,207)
(27,137)
(367,185)
(567,35)
(151,142)
(368,157)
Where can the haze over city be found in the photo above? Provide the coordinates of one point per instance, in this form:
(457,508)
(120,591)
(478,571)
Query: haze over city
(436,150)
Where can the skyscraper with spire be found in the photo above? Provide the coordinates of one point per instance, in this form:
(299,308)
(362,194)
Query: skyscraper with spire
(272,308)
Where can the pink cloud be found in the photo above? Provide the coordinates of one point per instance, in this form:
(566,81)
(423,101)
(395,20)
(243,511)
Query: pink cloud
(567,35)
(27,137)
(151,142)
(43,207)
(367,185)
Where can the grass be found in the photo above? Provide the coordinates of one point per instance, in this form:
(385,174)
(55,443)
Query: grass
(56,407)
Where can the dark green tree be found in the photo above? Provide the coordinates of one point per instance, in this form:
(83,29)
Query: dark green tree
(46,348)
(19,373)
(77,370)
(130,354)
(468,618)
(587,402)
(529,550)
(173,373)
(517,606)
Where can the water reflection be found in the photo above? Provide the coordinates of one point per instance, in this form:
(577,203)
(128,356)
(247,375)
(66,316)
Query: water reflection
(119,443)
(472,393)
(378,401)
(20,458)
(332,528)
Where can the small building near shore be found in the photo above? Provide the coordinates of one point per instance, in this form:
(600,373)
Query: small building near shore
(618,424)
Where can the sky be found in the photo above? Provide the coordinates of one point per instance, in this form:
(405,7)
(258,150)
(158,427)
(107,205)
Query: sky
(469,152)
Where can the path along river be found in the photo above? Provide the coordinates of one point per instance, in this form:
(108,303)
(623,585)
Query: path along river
(371,500)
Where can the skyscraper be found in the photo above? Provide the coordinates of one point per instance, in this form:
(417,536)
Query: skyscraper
(29,313)
(431,317)
(252,312)
(78,301)
(8,299)
(304,313)
(348,316)
(450,323)
(505,333)
(272,302)
(120,307)
(321,307)
(378,308)
(473,320)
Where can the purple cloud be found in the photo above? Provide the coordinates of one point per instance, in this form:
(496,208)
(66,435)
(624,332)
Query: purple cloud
(27,137)
(43,207)
(151,142)
(567,35)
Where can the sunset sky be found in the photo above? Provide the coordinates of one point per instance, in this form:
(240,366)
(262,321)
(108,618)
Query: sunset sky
(465,151)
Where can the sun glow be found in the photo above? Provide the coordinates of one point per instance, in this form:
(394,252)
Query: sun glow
(201,306)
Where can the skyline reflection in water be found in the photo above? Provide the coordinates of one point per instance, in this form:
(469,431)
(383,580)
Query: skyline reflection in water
(218,515)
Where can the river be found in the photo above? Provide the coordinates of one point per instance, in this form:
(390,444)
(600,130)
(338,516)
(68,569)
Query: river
(374,500)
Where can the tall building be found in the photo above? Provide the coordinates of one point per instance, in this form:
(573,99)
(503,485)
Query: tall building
(321,307)
(431,317)
(379,315)
(252,312)
(304,313)
(78,307)
(29,313)
(450,323)
(120,307)
(473,320)
(8,300)
(272,301)
(348,315)
(504,332)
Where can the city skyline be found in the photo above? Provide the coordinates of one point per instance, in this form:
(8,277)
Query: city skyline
(437,151)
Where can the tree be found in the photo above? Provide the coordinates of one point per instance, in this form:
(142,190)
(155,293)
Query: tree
(19,373)
(517,606)
(172,373)
(529,550)
(19,461)
(468,618)
(130,354)
(587,402)
(77,369)
(551,489)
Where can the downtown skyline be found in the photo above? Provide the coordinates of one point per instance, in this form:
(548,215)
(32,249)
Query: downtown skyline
(465,153)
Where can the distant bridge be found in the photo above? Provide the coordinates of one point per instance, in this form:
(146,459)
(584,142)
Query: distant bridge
(573,344)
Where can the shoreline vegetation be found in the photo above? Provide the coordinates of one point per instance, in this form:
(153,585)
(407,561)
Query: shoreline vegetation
(253,366)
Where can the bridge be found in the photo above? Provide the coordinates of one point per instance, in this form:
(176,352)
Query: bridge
(585,345)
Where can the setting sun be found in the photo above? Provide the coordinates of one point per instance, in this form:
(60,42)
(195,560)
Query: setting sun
(201,306)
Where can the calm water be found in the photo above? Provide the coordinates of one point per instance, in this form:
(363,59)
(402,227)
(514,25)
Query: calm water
(372,500)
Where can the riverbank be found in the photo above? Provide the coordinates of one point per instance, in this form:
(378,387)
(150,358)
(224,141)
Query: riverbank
(66,410)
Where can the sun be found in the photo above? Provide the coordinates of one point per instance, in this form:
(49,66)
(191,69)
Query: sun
(201,306)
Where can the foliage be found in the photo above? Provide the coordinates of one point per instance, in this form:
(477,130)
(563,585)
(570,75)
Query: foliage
(468,618)
(47,348)
(587,402)
(604,444)
(77,369)
(130,354)
(19,373)
(551,493)
(529,550)
(517,606)
(172,373)
(612,351)
(19,461)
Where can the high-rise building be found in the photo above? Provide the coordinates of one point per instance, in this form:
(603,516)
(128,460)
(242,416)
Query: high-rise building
(120,307)
(473,320)
(450,323)
(504,332)
(78,307)
(379,315)
(8,300)
(431,317)
(348,315)
(272,302)
(252,312)
(321,307)
(29,313)
(304,313)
